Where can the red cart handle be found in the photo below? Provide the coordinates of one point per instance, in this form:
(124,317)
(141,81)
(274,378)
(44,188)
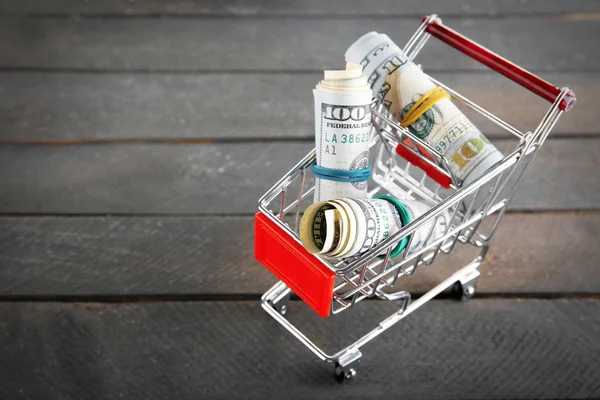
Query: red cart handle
(499,64)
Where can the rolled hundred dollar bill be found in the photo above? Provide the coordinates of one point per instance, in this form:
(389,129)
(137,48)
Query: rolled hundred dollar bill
(400,85)
(346,227)
(342,132)
(379,58)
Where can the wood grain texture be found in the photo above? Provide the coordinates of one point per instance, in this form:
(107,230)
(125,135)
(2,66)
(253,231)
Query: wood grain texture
(229,178)
(309,8)
(87,256)
(68,106)
(293,44)
(474,350)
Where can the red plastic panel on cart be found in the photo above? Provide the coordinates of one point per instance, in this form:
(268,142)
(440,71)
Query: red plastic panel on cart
(290,262)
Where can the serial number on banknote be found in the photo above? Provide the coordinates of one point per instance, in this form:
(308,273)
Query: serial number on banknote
(454,133)
(348,138)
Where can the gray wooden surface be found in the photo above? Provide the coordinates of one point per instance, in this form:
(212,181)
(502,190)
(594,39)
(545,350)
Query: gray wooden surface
(186,179)
(276,45)
(42,107)
(136,138)
(146,256)
(314,8)
(484,349)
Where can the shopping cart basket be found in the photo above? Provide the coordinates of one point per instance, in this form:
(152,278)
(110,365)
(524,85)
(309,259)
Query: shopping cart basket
(408,168)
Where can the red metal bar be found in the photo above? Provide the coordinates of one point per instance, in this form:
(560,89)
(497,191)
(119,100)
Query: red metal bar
(417,161)
(500,64)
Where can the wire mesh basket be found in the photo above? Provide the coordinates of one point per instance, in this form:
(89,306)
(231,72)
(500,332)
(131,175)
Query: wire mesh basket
(408,168)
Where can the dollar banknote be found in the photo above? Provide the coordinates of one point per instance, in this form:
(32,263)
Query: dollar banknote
(445,127)
(380,59)
(342,130)
(398,83)
(346,227)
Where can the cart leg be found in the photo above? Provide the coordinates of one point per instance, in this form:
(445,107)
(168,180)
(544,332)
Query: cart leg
(468,284)
(346,367)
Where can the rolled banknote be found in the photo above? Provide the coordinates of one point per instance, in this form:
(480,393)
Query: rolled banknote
(379,58)
(399,84)
(346,227)
(342,131)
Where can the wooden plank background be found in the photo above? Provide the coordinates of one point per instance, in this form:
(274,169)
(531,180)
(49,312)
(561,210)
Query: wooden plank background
(186,179)
(488,348)
(145,256)
(41,107)
(136,138)
(293,44)
(313,8)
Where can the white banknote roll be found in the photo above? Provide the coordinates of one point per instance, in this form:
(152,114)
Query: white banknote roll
(445,127)
(342,130)
(399,84)
(346,227)
(379,57)
(431,231)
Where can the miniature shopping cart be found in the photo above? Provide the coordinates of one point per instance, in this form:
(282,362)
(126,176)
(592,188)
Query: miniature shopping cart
(408,168)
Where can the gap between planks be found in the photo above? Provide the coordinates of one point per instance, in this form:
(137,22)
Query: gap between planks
(211,141)
(258,8)
(513,211)
(240,297)
(571,16)
(191,71)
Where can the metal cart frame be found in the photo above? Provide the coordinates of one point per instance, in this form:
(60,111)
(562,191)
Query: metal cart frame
(331,286)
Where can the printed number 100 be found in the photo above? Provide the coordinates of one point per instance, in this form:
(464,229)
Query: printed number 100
(345,113)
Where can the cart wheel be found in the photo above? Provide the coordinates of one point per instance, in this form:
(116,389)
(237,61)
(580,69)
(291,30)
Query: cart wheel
(343,374)
(282,305)
(468,292)
(468,285)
